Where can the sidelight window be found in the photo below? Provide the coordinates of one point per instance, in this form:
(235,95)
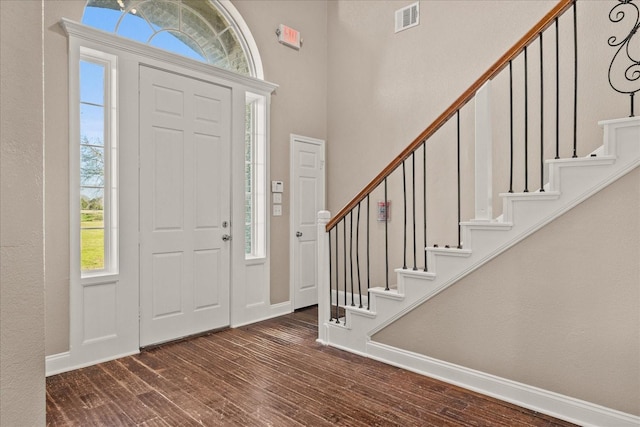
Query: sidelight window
(97,164)
(255,177)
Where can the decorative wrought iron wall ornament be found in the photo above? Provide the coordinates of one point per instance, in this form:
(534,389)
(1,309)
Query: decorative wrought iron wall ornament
(624,70)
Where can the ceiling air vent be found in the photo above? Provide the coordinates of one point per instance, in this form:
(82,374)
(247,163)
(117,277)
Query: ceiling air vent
(407,17)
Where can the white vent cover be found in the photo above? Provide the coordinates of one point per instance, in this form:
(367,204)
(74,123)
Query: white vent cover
(408,17)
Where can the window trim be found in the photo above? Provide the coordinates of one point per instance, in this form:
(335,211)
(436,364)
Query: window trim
(110,144)
(258,178)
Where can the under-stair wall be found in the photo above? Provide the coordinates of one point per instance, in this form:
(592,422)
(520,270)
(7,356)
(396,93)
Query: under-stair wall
(559,311)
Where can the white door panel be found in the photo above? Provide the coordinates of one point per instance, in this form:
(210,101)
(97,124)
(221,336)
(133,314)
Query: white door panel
(184,199)
(307,176)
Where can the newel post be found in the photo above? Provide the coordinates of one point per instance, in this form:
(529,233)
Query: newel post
(323,276)
(484,136)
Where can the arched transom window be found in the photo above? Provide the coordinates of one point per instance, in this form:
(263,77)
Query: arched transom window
(196,29)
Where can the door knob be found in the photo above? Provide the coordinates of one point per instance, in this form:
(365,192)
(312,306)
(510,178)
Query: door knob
(226,237)
(298,234)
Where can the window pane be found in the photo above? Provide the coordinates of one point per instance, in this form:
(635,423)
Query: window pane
(92,201)
(91,83)
(91,166)
(211,15)
(168,40)
(100,17)
(91,124)
(161,15)
(134,27)
(92,241)
(92,249)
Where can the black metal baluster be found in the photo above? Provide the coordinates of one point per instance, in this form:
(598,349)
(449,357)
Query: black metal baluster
(424,201)
(368,269)
(557,90)
(404,227)
(541,117)
(351,256)
(337,277)
(510,127)
(344,244)
(458,131)
(526,123)
(358,255)
(575,82)
(386,237)
(413,189)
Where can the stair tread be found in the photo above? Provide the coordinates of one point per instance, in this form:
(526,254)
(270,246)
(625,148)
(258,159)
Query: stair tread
(361,311)
(496,224)
(532,195)
(450,251)
(416,273)
(584,161)
(391,293)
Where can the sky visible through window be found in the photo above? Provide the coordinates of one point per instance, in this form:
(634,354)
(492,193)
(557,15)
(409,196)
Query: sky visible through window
(136,28)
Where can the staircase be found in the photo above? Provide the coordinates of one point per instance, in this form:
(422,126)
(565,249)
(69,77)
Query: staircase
(570,182)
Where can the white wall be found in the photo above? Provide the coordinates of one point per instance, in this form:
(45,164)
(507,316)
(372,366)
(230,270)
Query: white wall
(22,386)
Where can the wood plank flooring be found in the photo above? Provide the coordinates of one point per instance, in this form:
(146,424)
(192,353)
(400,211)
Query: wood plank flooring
(271,373)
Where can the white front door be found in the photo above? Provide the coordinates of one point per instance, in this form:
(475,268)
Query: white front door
(307,198)
(184,205)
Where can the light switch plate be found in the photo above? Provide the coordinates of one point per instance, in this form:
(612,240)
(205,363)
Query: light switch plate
(277,210)
(277,186)
(277,197)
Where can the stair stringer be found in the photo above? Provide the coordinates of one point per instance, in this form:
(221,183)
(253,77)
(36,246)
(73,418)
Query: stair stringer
(571,181)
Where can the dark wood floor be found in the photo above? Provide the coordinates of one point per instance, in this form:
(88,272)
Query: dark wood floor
(270,373)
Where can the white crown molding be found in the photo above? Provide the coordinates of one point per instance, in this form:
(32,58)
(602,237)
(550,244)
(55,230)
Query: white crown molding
(80,31)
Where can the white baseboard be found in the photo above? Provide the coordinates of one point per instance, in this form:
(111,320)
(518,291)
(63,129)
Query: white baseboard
(273,310)
(544,401)
(63,362)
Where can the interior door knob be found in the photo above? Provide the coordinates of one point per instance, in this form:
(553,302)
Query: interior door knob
(298,234)
(226,237)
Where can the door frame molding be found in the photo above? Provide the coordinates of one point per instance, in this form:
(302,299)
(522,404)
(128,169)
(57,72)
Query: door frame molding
(293,138)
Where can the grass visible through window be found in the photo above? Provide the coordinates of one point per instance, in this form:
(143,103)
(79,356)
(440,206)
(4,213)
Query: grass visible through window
(92,240)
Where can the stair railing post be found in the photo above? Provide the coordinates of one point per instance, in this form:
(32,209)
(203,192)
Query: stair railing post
(323,280)
(483,172)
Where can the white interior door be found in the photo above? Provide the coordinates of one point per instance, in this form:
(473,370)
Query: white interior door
(307,198)
(184,205)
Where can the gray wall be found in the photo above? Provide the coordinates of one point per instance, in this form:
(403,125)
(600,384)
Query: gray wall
(56,88)
(559,311)
(355,83)
(299,105)
(22,386)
